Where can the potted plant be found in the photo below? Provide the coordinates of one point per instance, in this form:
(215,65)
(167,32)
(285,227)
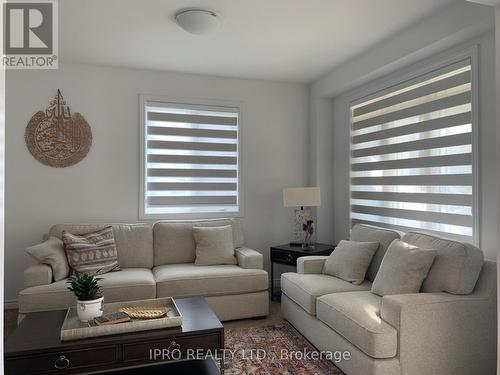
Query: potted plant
(89,295)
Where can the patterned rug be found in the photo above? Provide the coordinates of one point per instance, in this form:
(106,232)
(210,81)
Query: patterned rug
(277,349)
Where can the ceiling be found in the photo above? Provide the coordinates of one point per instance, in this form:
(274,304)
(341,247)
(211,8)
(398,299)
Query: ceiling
(283,40)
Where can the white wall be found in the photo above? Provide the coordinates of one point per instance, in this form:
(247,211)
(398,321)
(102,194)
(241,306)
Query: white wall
(441,30)
(104,186)
(487,131)
(321,153)
(2,180)
(497,75)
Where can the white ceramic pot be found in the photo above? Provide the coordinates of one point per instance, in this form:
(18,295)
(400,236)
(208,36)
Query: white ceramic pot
(88,310)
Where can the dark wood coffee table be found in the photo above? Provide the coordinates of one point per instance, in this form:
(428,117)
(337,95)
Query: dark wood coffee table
(35,346)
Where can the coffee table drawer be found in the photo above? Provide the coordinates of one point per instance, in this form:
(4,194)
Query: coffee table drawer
(169,349)
(62,361)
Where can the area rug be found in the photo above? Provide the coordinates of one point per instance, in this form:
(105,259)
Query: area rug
(277,349)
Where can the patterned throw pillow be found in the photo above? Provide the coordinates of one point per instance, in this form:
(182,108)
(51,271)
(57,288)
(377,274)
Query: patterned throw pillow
(93,253)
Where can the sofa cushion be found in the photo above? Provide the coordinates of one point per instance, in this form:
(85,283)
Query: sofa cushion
(174,242)
(350,260)
(303,289)
(214,245)
(186,280)
(135,245)
(134,242)
(125,285)
(356,316)
(403,269)
(457,265)
(369,233)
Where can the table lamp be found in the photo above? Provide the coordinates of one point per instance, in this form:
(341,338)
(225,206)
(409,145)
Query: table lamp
(302,197)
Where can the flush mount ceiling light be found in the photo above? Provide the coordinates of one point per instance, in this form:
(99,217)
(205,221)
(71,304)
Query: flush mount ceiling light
(197,21)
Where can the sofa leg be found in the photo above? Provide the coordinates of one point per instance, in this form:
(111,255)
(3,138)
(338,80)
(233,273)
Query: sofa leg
(20,318)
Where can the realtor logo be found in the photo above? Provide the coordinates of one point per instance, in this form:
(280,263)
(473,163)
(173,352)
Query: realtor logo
(30,35)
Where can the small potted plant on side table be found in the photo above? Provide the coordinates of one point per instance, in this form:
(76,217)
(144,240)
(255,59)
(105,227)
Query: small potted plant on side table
(89,296)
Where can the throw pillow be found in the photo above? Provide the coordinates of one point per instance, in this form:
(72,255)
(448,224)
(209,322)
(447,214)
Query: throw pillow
(350,260)
(457,265)
(51,252)
(93,253)
(369,233)
(403,269)
(214,245)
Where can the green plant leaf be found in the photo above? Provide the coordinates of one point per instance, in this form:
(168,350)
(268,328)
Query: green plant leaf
(85,286)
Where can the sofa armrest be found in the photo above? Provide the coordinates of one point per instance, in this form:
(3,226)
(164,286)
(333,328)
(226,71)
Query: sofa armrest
(249,258)
(398,309)
(37,274)
(311,264)
(441,333)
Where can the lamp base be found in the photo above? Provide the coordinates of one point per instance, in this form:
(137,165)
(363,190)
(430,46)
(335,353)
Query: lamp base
(295,244)
(301,217)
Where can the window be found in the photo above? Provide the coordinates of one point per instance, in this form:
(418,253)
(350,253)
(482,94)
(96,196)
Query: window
(412,159)
(190,160)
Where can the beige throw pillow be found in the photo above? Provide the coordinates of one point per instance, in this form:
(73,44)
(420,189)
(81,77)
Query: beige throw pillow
(370,233)
(214,245)
(350,260)
(457,265)
(93,253)
(51,252)
(403,269)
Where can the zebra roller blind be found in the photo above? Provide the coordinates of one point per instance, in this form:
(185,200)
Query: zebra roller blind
(412,155)
(191,161)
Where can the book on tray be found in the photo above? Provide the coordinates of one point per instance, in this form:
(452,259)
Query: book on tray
(112,318)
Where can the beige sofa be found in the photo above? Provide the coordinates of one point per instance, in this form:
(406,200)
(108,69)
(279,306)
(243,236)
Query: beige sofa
(426,333)
(158,261)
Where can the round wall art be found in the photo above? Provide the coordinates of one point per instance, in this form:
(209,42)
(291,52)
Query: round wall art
(57,137)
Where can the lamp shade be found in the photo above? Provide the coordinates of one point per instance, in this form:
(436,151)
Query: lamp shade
(301,197)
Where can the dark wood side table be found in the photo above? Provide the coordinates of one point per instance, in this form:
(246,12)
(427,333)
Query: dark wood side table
(286,254)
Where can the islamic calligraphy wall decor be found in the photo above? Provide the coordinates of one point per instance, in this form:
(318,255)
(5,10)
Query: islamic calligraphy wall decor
(57,137)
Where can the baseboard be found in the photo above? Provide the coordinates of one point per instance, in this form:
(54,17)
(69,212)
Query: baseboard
(10,304)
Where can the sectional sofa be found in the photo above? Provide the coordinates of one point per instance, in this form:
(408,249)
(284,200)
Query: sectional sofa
(436,332)
(158,261)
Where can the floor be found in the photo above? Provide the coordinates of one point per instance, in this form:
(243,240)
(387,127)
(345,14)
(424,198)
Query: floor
(9,322)
(274,317)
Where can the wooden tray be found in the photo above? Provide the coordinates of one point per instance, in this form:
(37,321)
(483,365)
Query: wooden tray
(74,329)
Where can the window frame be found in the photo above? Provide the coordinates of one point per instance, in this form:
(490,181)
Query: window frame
(194,103)
(394,81)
